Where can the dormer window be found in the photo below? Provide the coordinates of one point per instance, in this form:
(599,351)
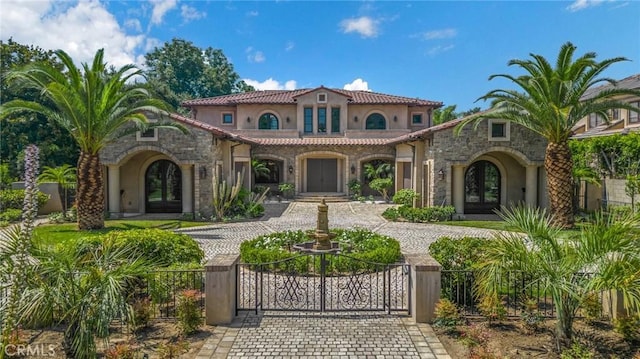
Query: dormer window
(322,97)
(416,118)
(150,134)
(633,115)
(227,118)
(595,120)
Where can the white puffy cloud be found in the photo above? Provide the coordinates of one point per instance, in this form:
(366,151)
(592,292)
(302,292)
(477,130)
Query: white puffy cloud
(364,25)
(271,84)
(190,13)
(290,45)
(80,29)
(440,34)
(161,7)
(254,56)
(133,24)
(253,13)
(357,85)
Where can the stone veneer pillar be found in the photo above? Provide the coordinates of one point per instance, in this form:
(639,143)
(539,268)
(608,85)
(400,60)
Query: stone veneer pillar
(458,188)
(220,289)
(531,186)
(113,176)
(425,286)
(187,188)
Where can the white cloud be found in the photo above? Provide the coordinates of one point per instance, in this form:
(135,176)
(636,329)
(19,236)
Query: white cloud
(190,13)
(440,34)
(271,84)
(436,50)
(79,29)
(133,24)
(357,85)
(290,45)
(364,25)
(578,5)
(254,56)
(160,8)
(253,13)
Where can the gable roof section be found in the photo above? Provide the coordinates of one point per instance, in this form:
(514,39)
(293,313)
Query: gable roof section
(289,97)
(631,82)
(321,141)
(209,128)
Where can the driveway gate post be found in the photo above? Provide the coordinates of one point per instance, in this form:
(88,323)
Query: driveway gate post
(425,286)
(220,289)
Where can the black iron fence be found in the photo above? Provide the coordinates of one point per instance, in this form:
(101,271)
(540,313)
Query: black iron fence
(323,282)
(164,287)
(513,288)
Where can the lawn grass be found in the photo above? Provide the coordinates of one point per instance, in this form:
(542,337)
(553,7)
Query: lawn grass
(52,234)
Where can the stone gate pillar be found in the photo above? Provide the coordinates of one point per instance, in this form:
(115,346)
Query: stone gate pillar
(220,289)
(425,286)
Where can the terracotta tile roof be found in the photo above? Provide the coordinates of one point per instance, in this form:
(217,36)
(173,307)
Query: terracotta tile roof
(213,129)
(631,82)
(605,130)
(321,141)
(289,97)
(422,133)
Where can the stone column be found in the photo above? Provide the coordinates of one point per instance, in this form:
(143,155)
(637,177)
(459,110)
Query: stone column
(113,176)
(425,286)
(220,289)
(418,173)
(531,186)
(187,188)
(458,188)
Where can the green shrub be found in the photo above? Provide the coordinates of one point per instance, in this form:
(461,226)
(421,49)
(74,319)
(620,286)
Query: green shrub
(530,315)
(492,308)
(577,351)
(142,313)
(161,247)
(360,244)
(121,351)
(355,189)
(591,307)
(14,198)
(173,349)
(425,214)
(382,185)
(188,311)
(405,197)
(457,253)
(163,284)
(628,326)
(11,215)
(286,189)
(391,214)
(446,313)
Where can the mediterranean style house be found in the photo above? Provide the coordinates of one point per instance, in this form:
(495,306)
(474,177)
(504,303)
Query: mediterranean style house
(319,140)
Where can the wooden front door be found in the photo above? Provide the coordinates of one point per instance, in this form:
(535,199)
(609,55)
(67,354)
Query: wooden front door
(322,175)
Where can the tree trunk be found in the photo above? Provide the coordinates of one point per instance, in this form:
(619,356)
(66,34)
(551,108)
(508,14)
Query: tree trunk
(564,325)
(559,165)
(90,192)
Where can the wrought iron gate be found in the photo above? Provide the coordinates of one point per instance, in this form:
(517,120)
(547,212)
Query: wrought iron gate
(323,282)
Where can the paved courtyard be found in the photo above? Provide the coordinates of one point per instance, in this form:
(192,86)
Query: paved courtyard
(326,335)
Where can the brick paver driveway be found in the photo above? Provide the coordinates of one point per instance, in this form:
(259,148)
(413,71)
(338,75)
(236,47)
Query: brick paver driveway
(326,335)
(225,238)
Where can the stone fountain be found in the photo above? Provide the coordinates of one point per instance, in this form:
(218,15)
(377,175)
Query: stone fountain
(322,237)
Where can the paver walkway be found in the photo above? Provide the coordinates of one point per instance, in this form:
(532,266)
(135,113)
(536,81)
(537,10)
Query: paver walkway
(327,335)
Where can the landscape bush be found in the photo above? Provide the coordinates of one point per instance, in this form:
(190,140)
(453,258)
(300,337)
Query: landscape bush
(447,314)
(188,312)
(14,199)
(457,253)
(424,214)
(161,247)
(11,215)
(405,197)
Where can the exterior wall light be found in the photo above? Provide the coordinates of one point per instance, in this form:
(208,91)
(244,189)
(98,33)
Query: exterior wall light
(248,119)
(355,118)
(290,169)
(395,118)
(203,172)
(353,169)
(441,174)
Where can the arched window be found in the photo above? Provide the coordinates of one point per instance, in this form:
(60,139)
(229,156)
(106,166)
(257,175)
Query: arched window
(376,121)
(268,121)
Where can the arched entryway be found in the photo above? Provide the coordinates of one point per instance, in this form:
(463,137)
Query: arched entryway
(163,187)
(482,188)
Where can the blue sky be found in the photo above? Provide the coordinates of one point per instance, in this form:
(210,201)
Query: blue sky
(437,50)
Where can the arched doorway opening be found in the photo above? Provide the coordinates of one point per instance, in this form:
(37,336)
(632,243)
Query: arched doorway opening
(482,188)
(163,188)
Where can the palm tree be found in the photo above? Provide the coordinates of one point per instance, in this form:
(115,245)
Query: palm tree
(442,115)
(605,255)
(93,103)
(549,102)
(259,168)
(64,176)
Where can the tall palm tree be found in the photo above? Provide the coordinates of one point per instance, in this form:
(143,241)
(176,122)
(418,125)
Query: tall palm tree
(259,168)
(93,103)
(550,101)
(442,115)
(64,176)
